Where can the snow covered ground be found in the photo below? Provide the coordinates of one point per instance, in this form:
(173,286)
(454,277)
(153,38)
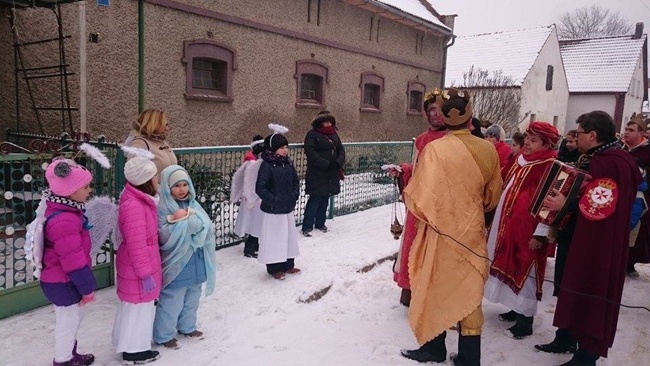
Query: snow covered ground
(253,319)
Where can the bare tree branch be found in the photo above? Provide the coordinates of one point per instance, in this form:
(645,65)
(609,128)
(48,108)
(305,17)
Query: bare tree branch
(591,22)
(495,97)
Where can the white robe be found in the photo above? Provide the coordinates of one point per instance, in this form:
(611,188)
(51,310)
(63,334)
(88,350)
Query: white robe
(278,239)
(249,216)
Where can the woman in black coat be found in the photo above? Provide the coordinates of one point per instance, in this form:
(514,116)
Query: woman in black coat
(325,161)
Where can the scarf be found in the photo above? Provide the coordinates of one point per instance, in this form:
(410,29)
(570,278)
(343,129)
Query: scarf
(541,155)
(331,130)
(49,196)
(273,158)
(184,240)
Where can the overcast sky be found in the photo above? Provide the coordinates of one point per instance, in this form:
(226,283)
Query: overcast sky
(486,16)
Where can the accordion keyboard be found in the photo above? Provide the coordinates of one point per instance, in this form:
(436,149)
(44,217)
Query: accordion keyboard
(559,184)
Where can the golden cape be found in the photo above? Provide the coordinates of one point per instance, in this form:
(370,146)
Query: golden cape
(457,180)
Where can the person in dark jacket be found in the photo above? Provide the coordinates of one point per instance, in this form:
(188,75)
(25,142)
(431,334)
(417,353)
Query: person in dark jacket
(325,161)
(279,188)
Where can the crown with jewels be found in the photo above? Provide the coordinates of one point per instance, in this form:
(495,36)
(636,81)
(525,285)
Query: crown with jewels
(438,96)
(607,184)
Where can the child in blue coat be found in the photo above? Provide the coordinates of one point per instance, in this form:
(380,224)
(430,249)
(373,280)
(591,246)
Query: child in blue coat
(187,246)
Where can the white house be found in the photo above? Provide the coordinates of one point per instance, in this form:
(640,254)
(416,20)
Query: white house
(529,57)
(609,74)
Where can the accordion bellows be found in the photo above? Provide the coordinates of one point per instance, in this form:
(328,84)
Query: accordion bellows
(569,181)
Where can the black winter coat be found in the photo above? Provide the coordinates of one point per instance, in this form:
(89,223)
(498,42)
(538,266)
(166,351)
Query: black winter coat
(278,187)
(322,177)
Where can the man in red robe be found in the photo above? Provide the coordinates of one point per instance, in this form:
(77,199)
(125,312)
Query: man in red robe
(432,103)
(517,241)
(592,285)
(638,146)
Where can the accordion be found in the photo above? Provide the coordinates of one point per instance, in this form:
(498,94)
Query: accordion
(569,181)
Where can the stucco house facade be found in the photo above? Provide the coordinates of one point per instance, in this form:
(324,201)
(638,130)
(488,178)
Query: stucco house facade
(609,74)
(223,70)
(530,59)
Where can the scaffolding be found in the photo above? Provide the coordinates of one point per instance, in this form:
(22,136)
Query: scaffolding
(59,71)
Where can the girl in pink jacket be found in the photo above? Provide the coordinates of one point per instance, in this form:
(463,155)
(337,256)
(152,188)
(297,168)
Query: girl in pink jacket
(137,263)
(66,278)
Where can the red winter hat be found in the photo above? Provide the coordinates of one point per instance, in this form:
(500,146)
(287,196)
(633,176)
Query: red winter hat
(545,131)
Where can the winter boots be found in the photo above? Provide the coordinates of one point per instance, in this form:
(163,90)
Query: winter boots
(522,328)
(77,359)
(251,246)
(139,358)
(582,358)
(563,343)
(510,316)
(405,297)
(469,351)
(432,351)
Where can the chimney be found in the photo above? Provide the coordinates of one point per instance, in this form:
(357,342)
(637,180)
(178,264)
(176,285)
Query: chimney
(638,31)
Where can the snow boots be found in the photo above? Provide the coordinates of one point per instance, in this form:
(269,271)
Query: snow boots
(139,358)
(563,343)
(510,316)
(432,351)
(77,359)
(469,351)
(251,246)
(522,328)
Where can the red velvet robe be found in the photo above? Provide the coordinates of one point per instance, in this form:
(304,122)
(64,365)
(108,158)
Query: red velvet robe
(401,275)
(640,252)
(513,258)
(597,259)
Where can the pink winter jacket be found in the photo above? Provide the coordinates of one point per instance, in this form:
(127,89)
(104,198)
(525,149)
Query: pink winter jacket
(67,247)
(138,256)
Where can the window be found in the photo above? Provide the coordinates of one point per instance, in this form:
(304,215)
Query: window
(415,93)
(549,77)
(209,74)
(209,67)
(372,87)
(311,78)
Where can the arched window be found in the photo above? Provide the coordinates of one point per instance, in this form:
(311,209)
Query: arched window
(311,79)
(415,94)
(372,88)
(209,66)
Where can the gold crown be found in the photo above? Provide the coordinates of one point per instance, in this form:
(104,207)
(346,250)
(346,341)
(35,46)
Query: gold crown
(607,184)
(637,118)
(438,96)
(455,118)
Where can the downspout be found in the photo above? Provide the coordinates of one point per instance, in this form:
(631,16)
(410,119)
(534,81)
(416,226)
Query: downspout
(82,67)
(444,61)
(140,56)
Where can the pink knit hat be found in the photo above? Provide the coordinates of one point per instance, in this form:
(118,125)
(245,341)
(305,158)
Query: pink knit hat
(65,177)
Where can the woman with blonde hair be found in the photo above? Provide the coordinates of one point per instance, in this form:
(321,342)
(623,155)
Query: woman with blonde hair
(150,132)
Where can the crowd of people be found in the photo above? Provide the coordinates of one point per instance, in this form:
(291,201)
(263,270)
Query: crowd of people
(470,233)
(165,257)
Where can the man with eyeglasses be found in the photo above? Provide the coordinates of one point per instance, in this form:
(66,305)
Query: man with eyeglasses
(592,284)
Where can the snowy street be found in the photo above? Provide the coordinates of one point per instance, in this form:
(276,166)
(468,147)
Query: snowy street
(253,319)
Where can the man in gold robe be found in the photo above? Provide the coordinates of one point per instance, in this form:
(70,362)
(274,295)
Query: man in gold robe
(457,180)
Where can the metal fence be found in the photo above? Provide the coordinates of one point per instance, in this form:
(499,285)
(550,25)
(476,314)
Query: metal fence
(25,157)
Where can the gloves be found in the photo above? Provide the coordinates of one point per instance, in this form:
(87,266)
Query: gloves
(86,299)
(148,284)
(333,165)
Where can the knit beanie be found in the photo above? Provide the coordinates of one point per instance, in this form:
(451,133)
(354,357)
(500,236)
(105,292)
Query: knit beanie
(275,141)
(139,170)
(65,177)
(493,131)
(257,145)
(178,176)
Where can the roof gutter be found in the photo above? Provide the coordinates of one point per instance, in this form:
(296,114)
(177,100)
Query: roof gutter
(444,61)
(443,29)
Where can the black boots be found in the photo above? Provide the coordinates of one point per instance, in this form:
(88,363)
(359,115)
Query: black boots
(405,297)
(469,351)
(510,316)
(432,351)
(522,328)
(563,343)
(582,358)
(251,246)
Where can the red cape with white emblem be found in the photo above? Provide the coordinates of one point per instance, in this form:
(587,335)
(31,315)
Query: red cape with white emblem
(599,200)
